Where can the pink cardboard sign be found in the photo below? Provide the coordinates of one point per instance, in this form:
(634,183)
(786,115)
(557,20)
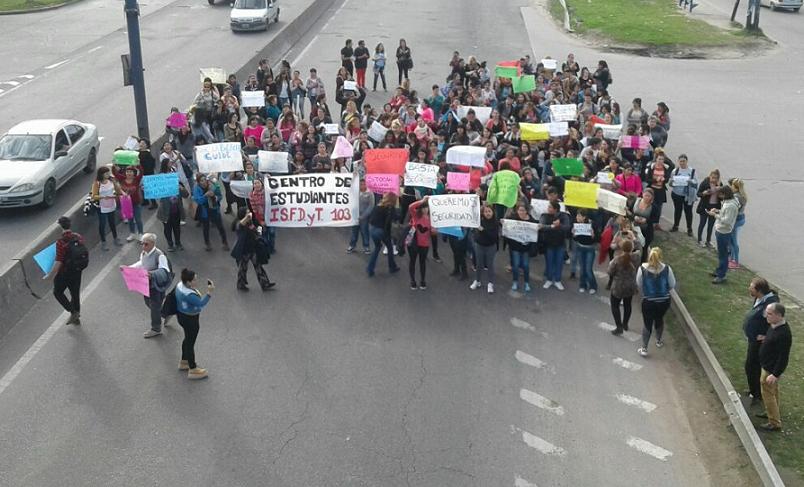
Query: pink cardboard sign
(177,120)
(634,142)
(383,183)
(136,280)
(458,181)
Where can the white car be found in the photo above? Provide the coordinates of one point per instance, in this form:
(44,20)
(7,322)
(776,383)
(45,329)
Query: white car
(794,5)
(253,14)
(38,157)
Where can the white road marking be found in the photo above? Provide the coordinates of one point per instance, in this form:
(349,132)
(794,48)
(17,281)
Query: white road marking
(56,65)
(604,299)
(636,402)
(522,324)
(54,327)
(528,359)
(648,448)
(520,482)
(94,49)
(12,83)
(26,76)
(601,275)
(2,90)
(626,364)
(630,335)
(315,38)
(543,446)
(541,402)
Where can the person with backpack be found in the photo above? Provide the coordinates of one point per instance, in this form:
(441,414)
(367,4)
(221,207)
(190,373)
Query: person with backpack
(72,257)
(160,277)
(655,280)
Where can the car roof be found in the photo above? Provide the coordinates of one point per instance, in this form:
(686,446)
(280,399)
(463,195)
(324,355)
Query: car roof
(44,126)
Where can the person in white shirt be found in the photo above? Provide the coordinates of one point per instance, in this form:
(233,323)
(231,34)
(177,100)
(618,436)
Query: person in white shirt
(159,276)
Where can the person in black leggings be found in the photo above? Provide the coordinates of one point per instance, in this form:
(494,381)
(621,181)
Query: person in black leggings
(707,192)
(189,304)
(622,270)
(404,61)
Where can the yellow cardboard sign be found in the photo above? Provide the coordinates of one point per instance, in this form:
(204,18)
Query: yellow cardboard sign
(581,195)
(534,131)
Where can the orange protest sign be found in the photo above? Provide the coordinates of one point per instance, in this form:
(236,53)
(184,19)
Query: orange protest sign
(385,161)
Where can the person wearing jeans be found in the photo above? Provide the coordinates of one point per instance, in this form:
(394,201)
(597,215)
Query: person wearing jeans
(418,241)
(486,238)
(655,279)
(554,227)
(585,251)
(171,214)
(380,230)
(366,206)
(379,66)
(683,193)
(738,188)
(189,304)
(208,197)
(105,192)
(725,218)
(707,192)
(520,251)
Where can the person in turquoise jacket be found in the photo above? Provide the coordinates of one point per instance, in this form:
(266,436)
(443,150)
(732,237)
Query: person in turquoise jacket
(189,304)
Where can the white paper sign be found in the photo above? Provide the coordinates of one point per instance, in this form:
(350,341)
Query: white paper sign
(454,210)
(217,75)
(550,63)
(342,148)
(604,177)
(681,180)
(350,85)
(467,155)
(482,113)
(424,175)
(563,113)
(221,157)
(273,162)
(131,143)
(558,129)
(581,229)
(610,131)
(523,232)
(241,189)
(331,129)
(377,131)
(537,207)
(611,201)
(253,98)
(312,200)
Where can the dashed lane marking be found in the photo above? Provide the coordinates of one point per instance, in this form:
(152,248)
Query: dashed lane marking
(636,402)
(528,359)
(94,49)
(648,448)
(541,402)
(12,83)
(56,65)
(520,482)
(629,335)
(26,76)
(524,325)
(543,446)
(626,364)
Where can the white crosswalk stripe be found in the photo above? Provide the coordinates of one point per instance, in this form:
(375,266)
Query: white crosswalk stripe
(648,448)
(541,402)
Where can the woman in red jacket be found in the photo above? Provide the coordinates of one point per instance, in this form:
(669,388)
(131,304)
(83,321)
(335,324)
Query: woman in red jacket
(418,241)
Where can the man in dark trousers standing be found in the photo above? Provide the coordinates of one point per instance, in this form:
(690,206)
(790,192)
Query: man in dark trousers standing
(346,57)
(755,326)
(72,258)
(773,356)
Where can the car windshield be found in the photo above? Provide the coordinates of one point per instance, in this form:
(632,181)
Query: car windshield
(25,147)
(249,4)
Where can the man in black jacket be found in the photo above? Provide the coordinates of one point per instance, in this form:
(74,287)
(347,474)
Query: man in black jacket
(773,356)
(754,327)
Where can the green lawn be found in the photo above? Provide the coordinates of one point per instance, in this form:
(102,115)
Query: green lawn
(6,5)
(719,312)
(643,22)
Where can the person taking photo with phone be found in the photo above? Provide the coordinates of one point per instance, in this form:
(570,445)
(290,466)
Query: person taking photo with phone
(189,303)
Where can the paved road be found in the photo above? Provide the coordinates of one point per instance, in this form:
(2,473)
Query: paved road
(178,38)
(336,379)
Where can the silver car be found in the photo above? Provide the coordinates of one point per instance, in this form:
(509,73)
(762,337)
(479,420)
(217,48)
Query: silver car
(38,157)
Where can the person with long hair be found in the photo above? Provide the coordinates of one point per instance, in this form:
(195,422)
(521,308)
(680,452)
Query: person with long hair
(585,253)
(655,280)
(486,238)
(622,271)
(250,248)
(725,217)
(707,192)
(520,251)
(683,193)
(645,215)
(738,187)
(189,303)
(105,191)
(553,231)
(418,241)
(207,196)
(380,229)
(404,61)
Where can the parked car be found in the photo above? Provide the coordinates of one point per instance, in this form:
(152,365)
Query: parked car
(794,5)
(253,14)
(38,157)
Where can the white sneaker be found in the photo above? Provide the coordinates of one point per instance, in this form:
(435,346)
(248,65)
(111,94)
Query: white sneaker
(131,237)
(385,250)
(490,288)
(659,343)
(580,290)
(547,284)
(592,291)
(151,334)
(139,237)
(474,285)
(643,352)
(559,286)
(396,250)
(168,320)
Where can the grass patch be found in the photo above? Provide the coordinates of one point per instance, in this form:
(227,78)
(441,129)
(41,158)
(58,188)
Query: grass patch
(7,5)
(719,312)
(643,22)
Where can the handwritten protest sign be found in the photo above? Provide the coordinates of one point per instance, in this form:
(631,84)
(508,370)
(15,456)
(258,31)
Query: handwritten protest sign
(467,155)
(563,113)
(534,131)
(349,85)
(162,185)
(567,167)
(610,131)
(506,71)
(482,113)
(176,120)
(342,148)
(581,195)
(550,63)
(383,183)
(46,258)
(312,200)
(582,229)
(385,161)
(558,129)
(454,210)
(126,157)
(523,232)
(424,175)
(680,180)
(458,181)
(136,279)
(604,177)
(331,129)
(611,201)
(241,189)
(634,142)
(220,157)
(537,207)
(273,162)
(377,131)
(131,143)
(217,75)
(252,99)
(523,84)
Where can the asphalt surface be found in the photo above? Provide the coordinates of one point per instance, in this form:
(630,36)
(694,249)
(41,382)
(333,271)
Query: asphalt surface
(337,379)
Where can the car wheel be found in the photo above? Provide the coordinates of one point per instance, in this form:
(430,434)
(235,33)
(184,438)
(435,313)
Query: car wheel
(92,161)
(796,9)
(49,193)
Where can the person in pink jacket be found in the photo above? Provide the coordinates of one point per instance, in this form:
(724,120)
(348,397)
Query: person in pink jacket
(628,182)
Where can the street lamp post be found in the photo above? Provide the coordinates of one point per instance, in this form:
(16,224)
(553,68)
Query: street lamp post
(132,10)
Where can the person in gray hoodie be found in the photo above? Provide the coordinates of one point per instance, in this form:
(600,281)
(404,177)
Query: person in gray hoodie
(725,217)
(367,203)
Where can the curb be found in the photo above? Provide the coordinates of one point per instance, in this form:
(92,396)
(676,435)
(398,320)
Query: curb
(38,9)
(738,417)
